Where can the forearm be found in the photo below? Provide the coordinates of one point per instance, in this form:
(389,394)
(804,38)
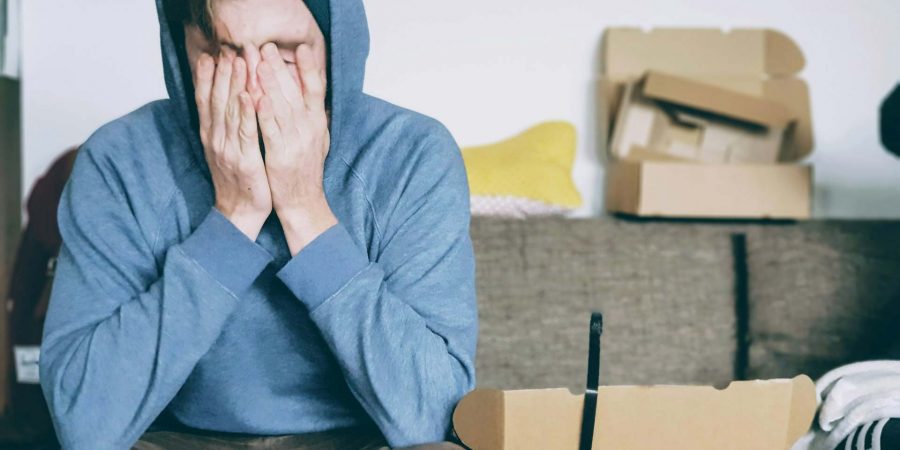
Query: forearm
(107,373)
(406,376)
(407,365)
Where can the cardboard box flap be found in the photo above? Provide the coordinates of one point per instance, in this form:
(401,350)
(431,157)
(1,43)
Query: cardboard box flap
(629,52)
(745,415)
(482,409)
(783,55)
(710,98)
(762,63)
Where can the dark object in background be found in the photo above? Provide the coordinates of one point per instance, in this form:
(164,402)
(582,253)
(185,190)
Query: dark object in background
(890,436)
(28,424)
(890,122)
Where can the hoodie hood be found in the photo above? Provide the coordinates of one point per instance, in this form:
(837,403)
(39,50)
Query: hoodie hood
(346,31)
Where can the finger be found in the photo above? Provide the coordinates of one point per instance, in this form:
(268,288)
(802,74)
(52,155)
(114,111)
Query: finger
(252,58)
(249,137)
(238,77)
(203,80)
(220,93)
(233,111)
(281,109)
(271,132)
(312,77)
(290,88)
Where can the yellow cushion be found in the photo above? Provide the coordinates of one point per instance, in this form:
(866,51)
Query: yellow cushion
(535,165)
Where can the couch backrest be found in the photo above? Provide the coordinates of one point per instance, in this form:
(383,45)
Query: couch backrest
(822,294)
(684,302)
(666,291)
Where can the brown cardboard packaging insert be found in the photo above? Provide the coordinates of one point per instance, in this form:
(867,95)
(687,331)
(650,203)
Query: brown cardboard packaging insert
(744,64)
(689,120)
(747,415)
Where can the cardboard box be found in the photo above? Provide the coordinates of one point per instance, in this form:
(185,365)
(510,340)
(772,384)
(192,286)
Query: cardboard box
(751,415)
(667,189)
(709,124)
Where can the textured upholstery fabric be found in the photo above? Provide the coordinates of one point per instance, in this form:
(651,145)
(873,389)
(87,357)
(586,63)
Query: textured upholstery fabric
(822,294)
(666,291)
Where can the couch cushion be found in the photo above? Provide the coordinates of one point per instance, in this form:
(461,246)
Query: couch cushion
(666,291)
(821,294)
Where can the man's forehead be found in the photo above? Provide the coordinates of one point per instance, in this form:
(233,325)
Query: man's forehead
(287,23)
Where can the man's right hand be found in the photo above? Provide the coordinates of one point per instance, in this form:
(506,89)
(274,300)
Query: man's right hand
(228,130)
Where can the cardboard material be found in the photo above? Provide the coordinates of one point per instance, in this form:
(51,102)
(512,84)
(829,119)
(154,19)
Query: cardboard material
(730,102)
(718,191)
(751,415)
(695,121)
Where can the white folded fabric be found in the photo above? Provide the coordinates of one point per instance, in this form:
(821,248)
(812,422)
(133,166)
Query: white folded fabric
(850,397)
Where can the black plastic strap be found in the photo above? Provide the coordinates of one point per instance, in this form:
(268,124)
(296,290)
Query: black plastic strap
(589,414)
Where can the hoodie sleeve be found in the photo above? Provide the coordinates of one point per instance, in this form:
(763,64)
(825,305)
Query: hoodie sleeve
(124,330)
(404,326)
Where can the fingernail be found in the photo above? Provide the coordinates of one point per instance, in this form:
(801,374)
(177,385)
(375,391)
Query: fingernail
(270,48)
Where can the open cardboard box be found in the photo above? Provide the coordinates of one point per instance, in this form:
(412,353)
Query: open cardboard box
(747,415)
(734,89)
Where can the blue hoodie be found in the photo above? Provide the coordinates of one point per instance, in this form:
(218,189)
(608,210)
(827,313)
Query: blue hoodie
(159,302)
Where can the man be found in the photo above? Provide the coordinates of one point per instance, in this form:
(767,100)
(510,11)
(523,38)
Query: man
(268,252)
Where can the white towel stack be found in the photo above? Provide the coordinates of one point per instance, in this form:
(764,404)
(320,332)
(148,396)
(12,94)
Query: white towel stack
(858,395)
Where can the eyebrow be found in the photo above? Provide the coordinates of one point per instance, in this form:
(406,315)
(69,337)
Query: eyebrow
(281,44)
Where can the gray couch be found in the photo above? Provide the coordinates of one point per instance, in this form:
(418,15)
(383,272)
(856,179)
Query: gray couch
(684,302)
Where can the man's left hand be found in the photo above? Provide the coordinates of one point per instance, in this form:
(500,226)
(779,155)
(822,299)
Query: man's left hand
(294,127)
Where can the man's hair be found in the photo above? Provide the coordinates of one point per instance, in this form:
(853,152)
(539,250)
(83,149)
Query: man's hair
(192,12)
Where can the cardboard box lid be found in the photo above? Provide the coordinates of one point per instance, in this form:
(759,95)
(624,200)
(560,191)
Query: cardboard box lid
(755,62)
(746,415)
(629,52)
(715,99)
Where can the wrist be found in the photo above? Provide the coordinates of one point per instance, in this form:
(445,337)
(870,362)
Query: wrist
(303,225)
(248,222)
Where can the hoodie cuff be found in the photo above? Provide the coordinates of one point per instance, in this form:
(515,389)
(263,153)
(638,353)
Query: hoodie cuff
(226,253)
(323,267)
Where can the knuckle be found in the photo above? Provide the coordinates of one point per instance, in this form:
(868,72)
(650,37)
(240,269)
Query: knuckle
(246,134)
(217,143)
(246,167)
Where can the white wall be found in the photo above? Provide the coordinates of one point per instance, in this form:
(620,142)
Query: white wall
(489,69)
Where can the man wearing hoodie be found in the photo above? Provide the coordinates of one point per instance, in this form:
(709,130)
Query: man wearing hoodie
(268,252)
